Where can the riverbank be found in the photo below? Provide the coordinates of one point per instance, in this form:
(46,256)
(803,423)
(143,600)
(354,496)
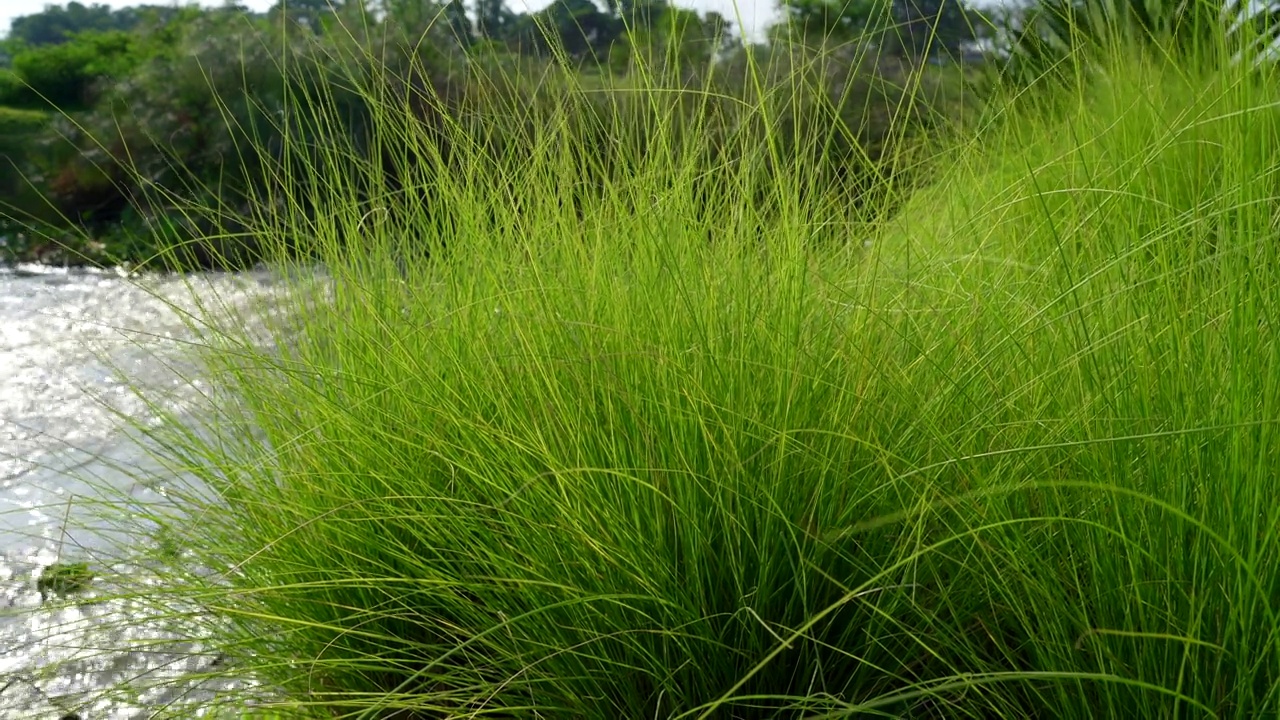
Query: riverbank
(75,345)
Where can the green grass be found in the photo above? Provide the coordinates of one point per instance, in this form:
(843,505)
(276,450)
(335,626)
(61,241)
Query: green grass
(667,454)
(64,579)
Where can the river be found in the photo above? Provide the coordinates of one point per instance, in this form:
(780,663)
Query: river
(61,334)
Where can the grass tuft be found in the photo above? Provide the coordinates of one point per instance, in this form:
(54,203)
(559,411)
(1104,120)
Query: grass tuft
(671,439)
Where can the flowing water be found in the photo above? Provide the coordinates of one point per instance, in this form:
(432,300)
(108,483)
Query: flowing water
(63,335)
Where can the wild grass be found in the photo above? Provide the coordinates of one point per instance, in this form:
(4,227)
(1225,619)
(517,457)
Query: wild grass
(669,449)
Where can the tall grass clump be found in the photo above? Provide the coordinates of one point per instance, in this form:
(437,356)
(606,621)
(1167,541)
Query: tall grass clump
(1106,269)
(681,436)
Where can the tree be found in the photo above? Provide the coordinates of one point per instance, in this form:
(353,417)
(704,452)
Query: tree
(719,32)
(65,74)
(20,134)
(412,18)
(914,28)
(674,33)
(56,24)
(819,21)
(932,27)
(494,20)
(578,27)
(455,15)
(311,14)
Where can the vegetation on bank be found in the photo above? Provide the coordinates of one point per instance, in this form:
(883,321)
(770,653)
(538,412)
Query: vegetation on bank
(118,123)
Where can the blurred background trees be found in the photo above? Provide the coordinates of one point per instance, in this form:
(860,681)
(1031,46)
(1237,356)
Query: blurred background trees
(112,117)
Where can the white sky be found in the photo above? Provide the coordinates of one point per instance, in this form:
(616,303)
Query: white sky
(756,14)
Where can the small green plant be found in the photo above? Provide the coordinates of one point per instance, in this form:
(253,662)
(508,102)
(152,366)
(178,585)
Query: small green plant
(168,543)
(64,579)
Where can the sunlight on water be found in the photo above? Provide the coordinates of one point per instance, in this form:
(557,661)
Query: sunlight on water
(61,334)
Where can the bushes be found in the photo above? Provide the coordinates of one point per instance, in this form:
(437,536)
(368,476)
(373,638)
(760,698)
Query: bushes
(20,132)
(66,75)
(17,127)
(192,114)
(12,89)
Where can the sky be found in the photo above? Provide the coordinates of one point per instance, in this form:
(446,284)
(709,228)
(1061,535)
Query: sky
(756,14)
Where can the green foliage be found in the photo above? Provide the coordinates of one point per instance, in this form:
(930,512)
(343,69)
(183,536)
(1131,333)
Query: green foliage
(12,89)
(312,15)
(20,134)
(494,20)
(926,28)
(455,15)
(677,36)
(681,445)
(57,23)
(672,200)
(66,74)
(819,21)
(64,579)
(575,27)
(911,28)
(17,126)
(1053,37)
(191,108)
(1251,34)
